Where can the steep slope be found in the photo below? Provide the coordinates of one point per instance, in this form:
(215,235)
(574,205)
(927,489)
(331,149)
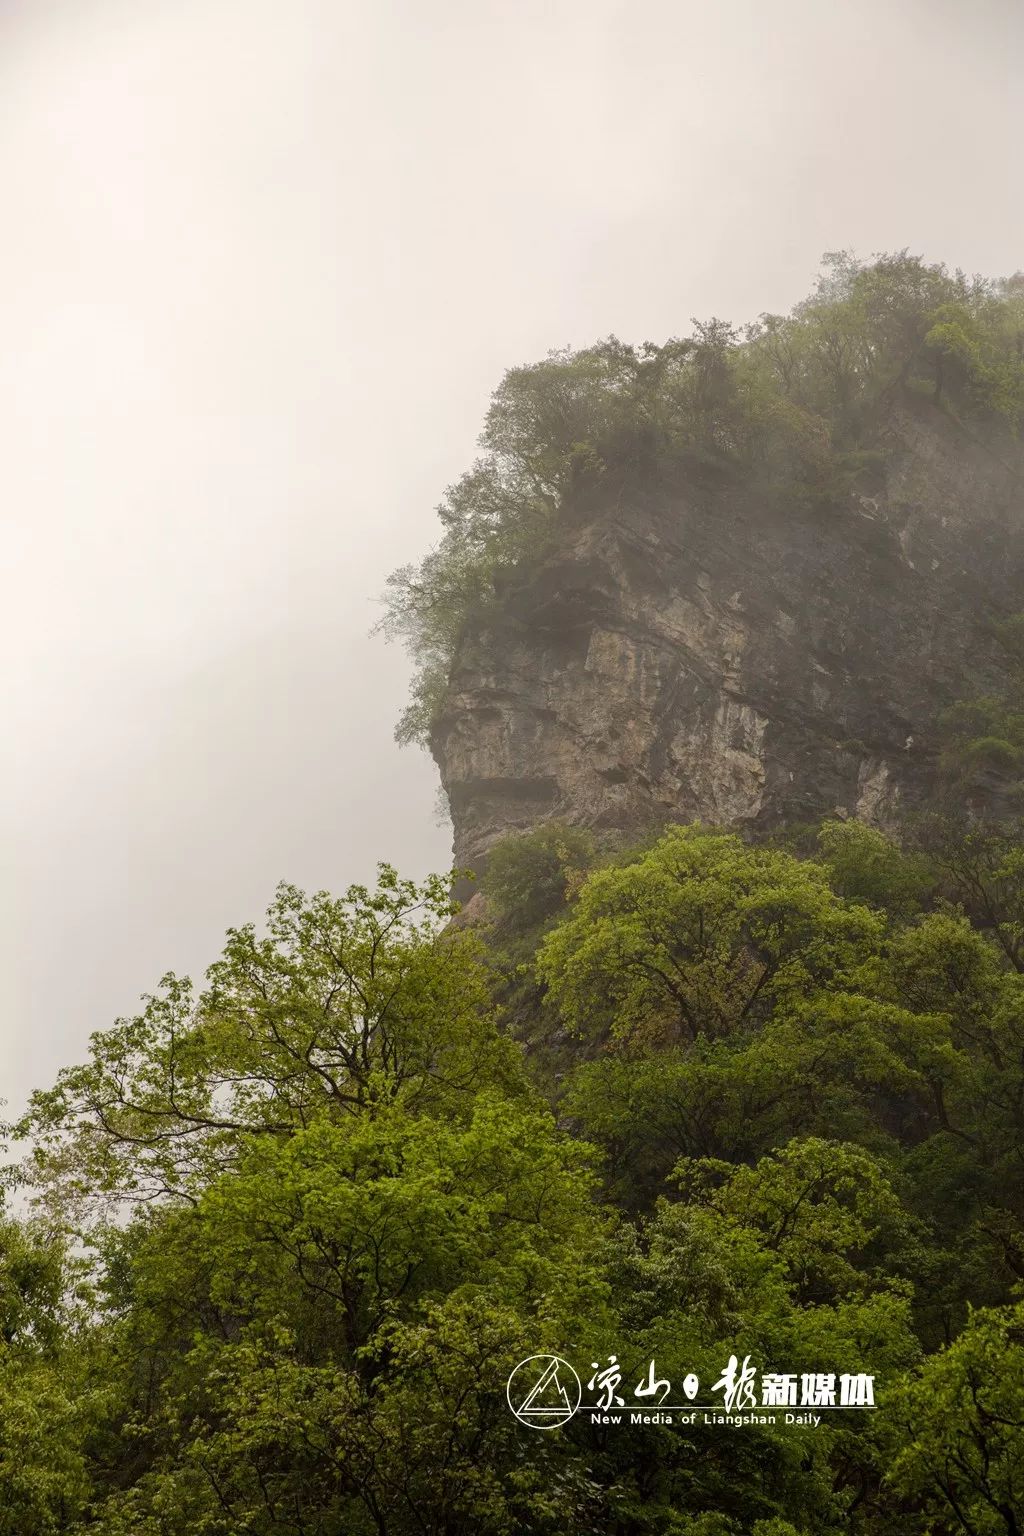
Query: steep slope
(695,651)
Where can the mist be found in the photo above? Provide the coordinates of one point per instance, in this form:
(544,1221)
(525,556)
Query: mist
(262,267)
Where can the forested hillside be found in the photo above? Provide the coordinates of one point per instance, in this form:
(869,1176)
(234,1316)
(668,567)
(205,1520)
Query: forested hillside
(703,1099)
(663,1107)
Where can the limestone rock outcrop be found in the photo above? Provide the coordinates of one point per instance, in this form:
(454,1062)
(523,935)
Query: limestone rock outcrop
(701,652)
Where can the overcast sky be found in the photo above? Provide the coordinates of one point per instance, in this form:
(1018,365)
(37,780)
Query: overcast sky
(262,263)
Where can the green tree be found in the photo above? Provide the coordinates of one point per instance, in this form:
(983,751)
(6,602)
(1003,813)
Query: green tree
(341,1006)
(322,1342)
(50,1398)
(697,937)
(530,876)
(866,866)
(699,1280)
(342,1210)
(959,1449)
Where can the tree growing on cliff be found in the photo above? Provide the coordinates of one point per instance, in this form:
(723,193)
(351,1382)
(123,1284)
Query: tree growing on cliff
(790,406)
(699,937)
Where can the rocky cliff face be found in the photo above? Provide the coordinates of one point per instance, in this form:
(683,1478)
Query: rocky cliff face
(696,653)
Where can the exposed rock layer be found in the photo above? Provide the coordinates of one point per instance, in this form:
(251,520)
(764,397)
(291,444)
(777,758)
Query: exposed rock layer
(702,653)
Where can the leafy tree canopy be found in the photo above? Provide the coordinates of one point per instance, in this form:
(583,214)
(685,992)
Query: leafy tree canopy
(294,1231)
(789,402)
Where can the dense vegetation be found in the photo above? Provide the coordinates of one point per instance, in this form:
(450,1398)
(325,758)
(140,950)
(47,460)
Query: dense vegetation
(294,1232)
(792,404)
(277,1244)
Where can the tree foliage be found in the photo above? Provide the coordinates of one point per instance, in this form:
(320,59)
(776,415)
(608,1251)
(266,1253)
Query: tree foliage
(789,403)
(295,1230)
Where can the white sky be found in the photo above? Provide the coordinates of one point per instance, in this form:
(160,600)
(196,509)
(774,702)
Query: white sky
(262,263)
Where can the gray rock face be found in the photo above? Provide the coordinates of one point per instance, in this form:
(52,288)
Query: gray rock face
(697,654)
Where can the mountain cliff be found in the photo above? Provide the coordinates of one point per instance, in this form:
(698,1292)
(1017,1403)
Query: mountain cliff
(692,649)
(739,577)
